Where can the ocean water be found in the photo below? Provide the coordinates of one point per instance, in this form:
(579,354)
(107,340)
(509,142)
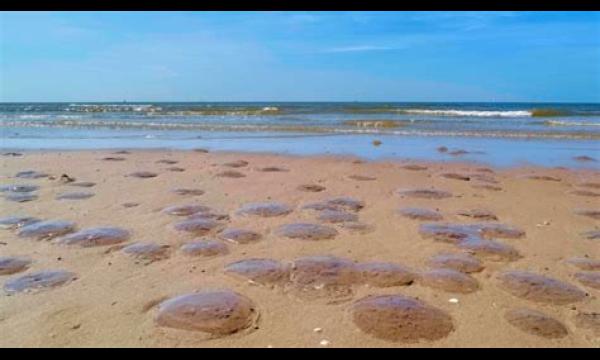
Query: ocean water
(501,134)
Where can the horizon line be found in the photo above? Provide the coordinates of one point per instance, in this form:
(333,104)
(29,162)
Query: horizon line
(298,101)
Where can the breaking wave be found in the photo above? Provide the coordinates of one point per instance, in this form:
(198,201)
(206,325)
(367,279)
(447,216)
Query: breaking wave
(352,127)
(477,113)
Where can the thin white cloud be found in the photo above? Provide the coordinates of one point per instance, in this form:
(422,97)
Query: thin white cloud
(464,20)
(360,48)
(304,18)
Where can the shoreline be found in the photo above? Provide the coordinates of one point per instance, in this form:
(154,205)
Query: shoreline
(585,166)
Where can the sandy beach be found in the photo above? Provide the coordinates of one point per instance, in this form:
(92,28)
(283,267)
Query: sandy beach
(549,217)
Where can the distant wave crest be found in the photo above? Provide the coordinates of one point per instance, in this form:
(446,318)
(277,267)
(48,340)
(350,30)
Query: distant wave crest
(569,123)
(111,108)
(157,110)
(477,113)
(540,112)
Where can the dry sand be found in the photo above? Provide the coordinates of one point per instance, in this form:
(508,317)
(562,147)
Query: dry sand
(113,300)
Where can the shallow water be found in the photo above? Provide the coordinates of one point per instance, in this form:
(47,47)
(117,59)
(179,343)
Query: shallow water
(500,134)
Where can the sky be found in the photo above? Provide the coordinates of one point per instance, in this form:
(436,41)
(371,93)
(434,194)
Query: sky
(300,56)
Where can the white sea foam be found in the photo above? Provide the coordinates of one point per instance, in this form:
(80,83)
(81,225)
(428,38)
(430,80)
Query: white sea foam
(111,107)
(569,123)
(478,113)
(32,117)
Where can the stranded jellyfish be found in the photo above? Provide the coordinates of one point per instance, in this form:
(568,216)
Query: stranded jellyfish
(311,188)
(12,264)
(383,274)
(200,226)
(40,280)
(185,210)
(539,288)
(46,230)
(324,277)
(74,196)
(425,193)
(261,271)
(205,248)
(147,251)
(231,174)
(306,231)
(336,216)
(449,280)
(143,174)
(536,323)
(31,174)
(240,236)
(459,262)
(400,318)
(219,312)
(420,214)
(16,222)
(265,209)
(99,236)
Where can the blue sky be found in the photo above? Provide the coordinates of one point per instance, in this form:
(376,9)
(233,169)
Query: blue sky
(300,56)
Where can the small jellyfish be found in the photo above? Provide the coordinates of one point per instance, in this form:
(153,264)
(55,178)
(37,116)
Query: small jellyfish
(185,210)
(539,288)
(240,236)
(190,192)
(236,163)
(20,196)
(479,214)
(261,271)
(536,323)
(205,248)
(420,214)
(86,184)
(147,251)
(273,169)
(362,178)
(17,188)
(199,227)
(383,274)
(336,216)
(31,174)
(324,276)
(584,263)
(74,196)
(311,188)
(306,231)
(100,236)
(16,222)
(449,280)
(265,209)
(490,249)
(12,264)
(459,262)
(231,174)
(425,193)
(589,278)
(588,321)
(40,280)
(46,230)
(455,176)
(143,174)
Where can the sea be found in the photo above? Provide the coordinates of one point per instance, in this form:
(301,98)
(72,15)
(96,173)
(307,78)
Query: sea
(499,134)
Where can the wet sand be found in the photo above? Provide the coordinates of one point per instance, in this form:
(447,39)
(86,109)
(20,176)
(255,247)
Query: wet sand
(326,282)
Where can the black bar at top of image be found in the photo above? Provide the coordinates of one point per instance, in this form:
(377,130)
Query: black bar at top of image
(304,5)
